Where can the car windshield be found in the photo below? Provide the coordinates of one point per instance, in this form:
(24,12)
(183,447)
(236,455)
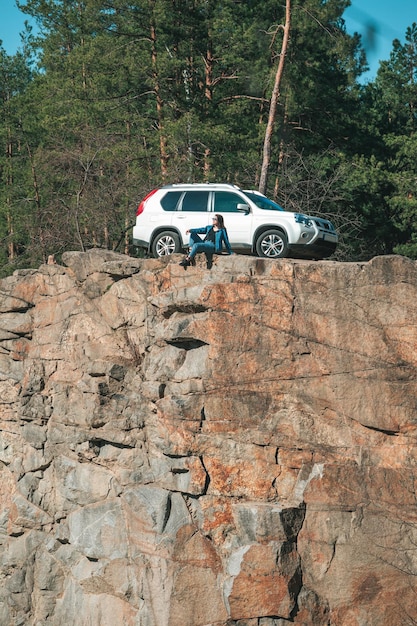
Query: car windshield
(262,202)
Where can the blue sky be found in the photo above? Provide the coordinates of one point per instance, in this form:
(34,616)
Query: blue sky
(11,24)
(378,21)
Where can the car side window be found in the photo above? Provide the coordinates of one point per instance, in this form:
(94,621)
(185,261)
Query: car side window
(226,202)
(195,201)
(170,200)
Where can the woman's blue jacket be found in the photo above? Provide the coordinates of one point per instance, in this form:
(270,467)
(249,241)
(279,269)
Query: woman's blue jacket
(220,238)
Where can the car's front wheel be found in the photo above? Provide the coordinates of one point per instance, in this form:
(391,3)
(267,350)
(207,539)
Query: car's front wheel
(166,243)
(272,244)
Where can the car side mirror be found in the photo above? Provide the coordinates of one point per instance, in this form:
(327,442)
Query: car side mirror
(243,208)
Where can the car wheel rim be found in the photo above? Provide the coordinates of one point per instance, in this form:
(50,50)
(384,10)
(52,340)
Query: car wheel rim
(165,246)
(272,246)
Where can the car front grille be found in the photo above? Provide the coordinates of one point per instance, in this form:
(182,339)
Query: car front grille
(324,225)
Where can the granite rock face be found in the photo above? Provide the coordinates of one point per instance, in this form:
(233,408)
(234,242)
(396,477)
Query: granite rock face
(233,447)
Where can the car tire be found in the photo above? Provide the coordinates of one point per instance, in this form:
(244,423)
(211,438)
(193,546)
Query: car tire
(166,243)
(272,244)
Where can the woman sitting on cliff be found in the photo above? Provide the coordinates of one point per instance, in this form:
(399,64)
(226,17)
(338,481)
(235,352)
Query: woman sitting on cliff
(216,236)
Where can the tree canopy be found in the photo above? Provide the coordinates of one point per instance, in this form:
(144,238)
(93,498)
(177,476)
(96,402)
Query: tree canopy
(111,99)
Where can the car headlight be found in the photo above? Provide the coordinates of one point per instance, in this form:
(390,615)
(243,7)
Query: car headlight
(303,219)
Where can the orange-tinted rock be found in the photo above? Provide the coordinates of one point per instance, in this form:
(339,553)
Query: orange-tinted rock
(187,448)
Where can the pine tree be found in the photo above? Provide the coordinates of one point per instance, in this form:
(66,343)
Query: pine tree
(391,108)
(15,75)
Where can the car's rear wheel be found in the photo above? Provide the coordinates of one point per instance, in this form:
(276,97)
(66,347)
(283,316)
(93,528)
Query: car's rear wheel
(166,243)
(272,244)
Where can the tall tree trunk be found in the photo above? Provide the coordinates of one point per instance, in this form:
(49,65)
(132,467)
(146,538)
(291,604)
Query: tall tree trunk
(281,154)
(159,107)
(208,92)
(263,180)
(41,236)
(9,183)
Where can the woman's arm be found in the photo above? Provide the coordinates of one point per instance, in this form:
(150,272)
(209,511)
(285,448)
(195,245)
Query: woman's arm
(198,231)
(226,241)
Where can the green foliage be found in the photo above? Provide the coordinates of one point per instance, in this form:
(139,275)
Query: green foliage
(408,249)
(129,94)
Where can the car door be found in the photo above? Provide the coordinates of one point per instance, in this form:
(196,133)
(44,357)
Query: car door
(192,212)
(238,222)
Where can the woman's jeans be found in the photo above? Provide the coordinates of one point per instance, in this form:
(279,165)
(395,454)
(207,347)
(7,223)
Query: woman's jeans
(198,245)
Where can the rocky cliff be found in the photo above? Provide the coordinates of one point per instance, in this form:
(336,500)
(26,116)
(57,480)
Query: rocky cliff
(190,448)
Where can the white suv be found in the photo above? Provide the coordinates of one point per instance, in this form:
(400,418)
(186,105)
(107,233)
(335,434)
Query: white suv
(254,223)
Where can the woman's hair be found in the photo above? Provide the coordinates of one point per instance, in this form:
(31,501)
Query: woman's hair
(220,221)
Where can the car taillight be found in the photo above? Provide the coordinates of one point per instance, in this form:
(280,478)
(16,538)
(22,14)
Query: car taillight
(141,206)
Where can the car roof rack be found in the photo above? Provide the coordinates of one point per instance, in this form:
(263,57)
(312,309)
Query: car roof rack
(226,185)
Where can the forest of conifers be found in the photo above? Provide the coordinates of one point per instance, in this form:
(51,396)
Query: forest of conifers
(111,98)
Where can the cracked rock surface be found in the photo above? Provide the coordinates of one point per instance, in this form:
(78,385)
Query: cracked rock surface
(233,447)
